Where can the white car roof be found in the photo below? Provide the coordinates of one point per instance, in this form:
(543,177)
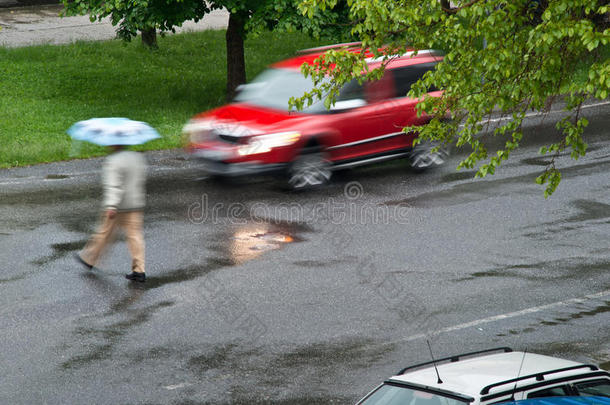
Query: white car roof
(470,375)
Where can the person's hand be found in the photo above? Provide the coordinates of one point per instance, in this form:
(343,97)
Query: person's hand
(111,213)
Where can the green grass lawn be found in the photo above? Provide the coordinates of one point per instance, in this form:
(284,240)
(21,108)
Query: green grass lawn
(45,89)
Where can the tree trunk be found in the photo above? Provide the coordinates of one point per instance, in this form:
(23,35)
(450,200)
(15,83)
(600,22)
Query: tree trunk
(149,38)
(236,65)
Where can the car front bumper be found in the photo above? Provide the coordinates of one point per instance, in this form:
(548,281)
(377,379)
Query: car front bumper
(212,163)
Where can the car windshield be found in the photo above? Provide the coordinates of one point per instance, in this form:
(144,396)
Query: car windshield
(390,394)
(274,87)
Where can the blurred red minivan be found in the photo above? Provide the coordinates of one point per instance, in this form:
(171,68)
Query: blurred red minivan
(257,133)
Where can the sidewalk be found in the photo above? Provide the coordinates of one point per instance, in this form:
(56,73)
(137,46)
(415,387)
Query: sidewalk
(41,24)
(24,3)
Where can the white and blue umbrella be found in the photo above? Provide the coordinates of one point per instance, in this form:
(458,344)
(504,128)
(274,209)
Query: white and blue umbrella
(113,131)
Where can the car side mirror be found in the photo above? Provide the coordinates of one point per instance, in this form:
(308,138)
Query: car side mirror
(345,105)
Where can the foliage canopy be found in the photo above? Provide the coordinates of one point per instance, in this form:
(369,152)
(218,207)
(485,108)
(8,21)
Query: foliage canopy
(132,16)
(501,56)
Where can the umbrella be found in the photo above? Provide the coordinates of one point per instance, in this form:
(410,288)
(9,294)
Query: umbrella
(113,131)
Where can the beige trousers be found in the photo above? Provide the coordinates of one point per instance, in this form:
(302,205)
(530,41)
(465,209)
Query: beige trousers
(131,223)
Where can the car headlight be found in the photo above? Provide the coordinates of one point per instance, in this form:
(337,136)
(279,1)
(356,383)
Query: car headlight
(264,143)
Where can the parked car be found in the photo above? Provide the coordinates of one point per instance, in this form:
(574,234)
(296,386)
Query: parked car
(489,377)
(257,133)
(594,400)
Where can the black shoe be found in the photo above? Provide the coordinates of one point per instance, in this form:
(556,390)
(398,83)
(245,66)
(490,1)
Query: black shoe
(135,276)
(81,261)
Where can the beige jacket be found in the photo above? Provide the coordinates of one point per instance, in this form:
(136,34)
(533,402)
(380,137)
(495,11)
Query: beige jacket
(124,178)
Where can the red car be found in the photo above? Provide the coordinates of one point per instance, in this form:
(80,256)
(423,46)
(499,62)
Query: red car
(257,133)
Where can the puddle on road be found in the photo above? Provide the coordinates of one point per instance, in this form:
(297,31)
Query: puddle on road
(233,248)
(545,160)
(266,372)
(572,268)
(352,352)
(217,358)
(249,241)
(56,176)
(600,309)
(247,244)
(61,194)
(537,161)
(101,340)
(458,176)
(590,213)
(59,251)
(245,399)
(185,273)
(590,210)
(11,279)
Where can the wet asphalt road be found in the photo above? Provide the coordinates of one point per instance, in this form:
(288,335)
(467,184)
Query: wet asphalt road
(256,295)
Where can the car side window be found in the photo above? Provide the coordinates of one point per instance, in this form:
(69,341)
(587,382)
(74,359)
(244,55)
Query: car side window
(351,91)
(559,391)
(406,76)
(593,388)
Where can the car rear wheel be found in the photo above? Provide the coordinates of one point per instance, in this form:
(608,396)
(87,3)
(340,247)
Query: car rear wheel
(309,170)
(424,156)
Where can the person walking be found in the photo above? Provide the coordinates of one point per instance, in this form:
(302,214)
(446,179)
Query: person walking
(123,179)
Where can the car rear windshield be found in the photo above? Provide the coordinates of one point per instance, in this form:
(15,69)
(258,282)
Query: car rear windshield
(391,394)
(274,87)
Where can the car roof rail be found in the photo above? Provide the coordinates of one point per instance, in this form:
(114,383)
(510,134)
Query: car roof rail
(538,376)
(456,358)
(327,47)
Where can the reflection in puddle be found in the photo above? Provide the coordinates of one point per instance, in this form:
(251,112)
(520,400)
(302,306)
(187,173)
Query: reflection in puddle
(252,240)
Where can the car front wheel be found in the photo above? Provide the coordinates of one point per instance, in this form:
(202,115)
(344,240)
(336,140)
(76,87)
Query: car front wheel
(309,170)
(428,155)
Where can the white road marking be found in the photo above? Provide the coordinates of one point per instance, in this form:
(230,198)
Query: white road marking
(501,317)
